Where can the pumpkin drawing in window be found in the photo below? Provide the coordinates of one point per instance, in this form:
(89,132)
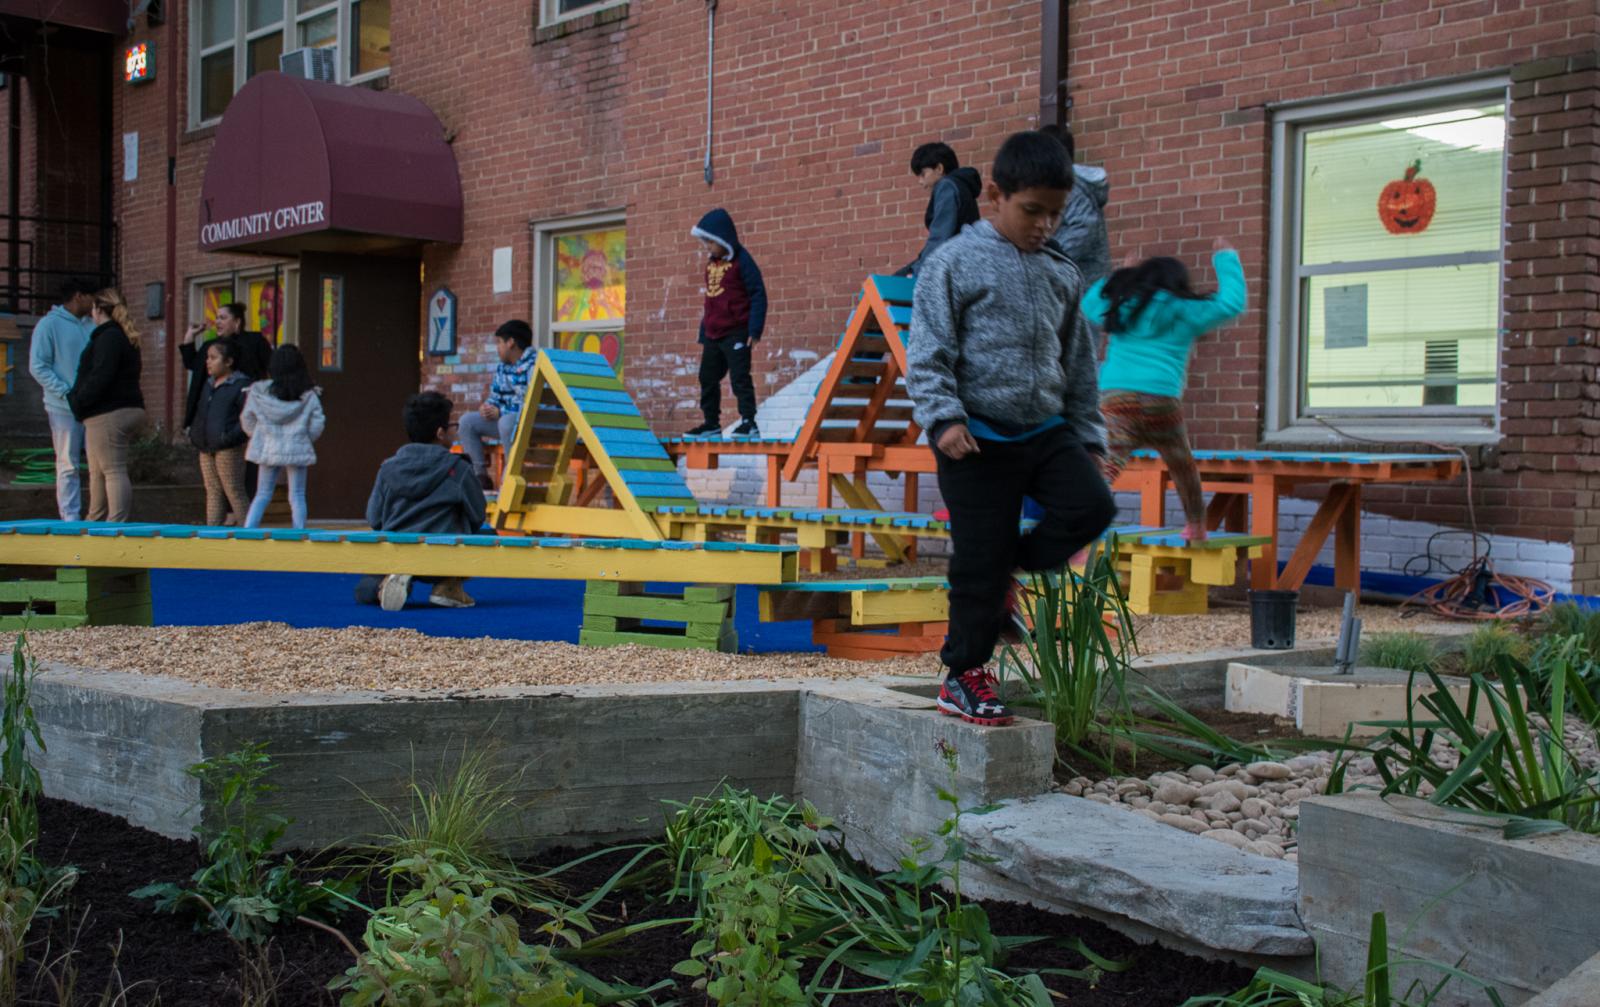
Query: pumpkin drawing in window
(1406,204)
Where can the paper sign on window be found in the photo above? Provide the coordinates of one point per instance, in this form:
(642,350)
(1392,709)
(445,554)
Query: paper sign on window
(1344,317)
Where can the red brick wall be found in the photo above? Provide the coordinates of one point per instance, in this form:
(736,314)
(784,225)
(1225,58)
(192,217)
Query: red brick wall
(1172,99)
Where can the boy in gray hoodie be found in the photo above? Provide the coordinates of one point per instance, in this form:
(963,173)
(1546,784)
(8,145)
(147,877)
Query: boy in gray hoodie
(1002,376)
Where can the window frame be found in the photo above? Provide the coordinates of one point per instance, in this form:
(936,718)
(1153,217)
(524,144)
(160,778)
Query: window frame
(545,233)
(1285,420)
(286,274)
(288,23)
(549,13)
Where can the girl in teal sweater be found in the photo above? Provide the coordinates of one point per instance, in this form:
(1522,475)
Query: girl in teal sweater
(1152,318)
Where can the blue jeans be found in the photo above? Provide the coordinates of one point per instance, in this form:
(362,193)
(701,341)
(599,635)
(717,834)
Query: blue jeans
(267,482)
(474,430)
(66,437)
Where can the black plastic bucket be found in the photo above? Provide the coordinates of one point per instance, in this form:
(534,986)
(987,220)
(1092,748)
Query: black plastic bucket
(1272,619)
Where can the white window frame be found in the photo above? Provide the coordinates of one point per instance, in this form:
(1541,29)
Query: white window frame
(289,25)
(549,11)
(1284,421)
(544,234)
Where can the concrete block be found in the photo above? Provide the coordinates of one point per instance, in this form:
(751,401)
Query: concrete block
(1518,914)
(1073,853)
(1323,704)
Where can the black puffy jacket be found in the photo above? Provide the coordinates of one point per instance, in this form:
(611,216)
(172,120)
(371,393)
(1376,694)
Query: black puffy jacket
(216,417)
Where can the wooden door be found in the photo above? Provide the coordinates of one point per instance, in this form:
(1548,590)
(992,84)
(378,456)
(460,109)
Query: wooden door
(360,329)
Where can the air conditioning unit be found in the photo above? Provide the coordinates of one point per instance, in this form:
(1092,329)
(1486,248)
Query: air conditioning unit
(311,64)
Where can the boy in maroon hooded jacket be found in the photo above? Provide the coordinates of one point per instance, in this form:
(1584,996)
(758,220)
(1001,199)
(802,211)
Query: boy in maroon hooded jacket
(735,315)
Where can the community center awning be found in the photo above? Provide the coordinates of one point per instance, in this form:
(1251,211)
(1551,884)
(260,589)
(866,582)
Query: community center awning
(300,165)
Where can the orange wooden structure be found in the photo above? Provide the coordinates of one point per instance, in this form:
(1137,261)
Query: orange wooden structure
(1246,487)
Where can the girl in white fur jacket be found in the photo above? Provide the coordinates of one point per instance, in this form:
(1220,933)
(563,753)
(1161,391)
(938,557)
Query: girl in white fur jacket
(283,417)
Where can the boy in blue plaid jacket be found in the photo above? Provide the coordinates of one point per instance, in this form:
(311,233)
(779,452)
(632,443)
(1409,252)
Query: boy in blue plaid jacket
(497,417)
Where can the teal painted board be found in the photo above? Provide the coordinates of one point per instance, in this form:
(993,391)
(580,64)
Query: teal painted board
(894,289)
(900,314)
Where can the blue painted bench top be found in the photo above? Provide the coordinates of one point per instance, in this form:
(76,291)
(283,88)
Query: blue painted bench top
(1316,457)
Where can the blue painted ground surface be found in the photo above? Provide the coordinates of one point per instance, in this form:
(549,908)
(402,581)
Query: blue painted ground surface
(506,609)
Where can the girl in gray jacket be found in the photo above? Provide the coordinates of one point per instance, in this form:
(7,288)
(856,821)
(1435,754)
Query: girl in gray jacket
(283,416)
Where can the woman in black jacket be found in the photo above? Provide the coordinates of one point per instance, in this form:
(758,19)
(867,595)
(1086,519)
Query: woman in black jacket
(106,399)
(217,433)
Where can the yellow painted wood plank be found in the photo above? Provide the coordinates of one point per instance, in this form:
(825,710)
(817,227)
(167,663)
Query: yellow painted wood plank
(885,608)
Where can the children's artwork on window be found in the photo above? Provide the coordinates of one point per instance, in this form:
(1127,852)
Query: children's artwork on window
(212,300)
(331,357)
(264,301)
(607,344)
(591,277)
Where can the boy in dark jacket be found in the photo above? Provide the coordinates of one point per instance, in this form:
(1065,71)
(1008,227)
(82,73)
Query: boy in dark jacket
(952,205)
(735,316)
(1002,376)
(423,488)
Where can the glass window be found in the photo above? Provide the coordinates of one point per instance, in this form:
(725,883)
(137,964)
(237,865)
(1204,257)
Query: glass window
(583,288)
(261,14)
(1396,260)
(331,316)
(264,53)
(216,83)
(369,32)
(320,31)
(216,22)
(557,10)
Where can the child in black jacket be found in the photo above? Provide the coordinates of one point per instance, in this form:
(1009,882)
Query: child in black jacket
(218,435)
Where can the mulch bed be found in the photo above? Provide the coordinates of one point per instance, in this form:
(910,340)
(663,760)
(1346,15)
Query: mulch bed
(161,955)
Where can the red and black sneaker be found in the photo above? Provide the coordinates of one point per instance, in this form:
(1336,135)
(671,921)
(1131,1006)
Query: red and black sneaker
(971,696)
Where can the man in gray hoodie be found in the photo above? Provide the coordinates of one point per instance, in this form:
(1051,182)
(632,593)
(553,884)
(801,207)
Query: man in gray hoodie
(1002,376)
(1082,233)
(58,343)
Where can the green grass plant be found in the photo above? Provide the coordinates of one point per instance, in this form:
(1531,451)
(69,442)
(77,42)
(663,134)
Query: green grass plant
(1405,651)
(1490,642)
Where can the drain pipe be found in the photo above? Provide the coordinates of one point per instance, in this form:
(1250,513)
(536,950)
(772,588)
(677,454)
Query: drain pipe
(1054,41)
(711,71)
(1349,647)
(169,297)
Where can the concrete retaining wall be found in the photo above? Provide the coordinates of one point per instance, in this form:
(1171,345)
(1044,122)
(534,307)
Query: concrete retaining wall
(1521,912)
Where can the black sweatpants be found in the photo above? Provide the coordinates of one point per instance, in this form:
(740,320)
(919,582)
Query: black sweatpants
(726,357)
(984,493)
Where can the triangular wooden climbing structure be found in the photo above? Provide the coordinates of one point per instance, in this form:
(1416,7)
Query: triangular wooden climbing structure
(861,406)
(576,407)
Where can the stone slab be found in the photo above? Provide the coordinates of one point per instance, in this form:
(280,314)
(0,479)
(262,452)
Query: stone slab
(1323,703)
(1580,989)
(1521,913)
(1075,853)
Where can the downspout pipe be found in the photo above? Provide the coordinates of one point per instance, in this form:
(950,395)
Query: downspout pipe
(170,294)
(1054,39)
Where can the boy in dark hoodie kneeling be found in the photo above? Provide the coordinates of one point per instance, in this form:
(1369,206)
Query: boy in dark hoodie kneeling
(734,317)
(953,203)
(423,488)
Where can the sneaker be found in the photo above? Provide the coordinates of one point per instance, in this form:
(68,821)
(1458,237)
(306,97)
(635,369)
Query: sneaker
(747,429)
(705,429)
(394,592)
(971,696)
(450,594)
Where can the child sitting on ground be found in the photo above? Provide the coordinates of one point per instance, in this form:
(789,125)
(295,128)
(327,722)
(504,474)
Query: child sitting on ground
(735,315)
(1002,376)
(1152,319)
(424,488)
(283,417)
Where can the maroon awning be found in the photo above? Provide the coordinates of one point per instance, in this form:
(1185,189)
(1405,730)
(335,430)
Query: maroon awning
(110,16)
(300,165)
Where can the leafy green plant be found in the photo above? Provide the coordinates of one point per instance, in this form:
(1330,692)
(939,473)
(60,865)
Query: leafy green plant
(1072,663)
(1570,640)
(1520,770)
(1411,652)
(1488,644)
(242,888)
(1271,988)
(1569,619)
(740,959)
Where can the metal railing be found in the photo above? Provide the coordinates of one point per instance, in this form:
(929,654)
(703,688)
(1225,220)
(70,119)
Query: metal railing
(37,253)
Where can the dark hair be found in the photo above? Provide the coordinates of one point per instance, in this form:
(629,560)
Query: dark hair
(1063,134)
(237,310)
(287,369)
(72,286)
(517,331)
(1133,287)
(228,347)
(425,415)
(1031,160)
(934,155)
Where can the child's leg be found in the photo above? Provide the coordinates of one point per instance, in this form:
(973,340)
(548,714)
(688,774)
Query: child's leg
(266,482)
(216,501)
(713,368)
(984,495)
(744,388)
(230,473)
(297,495)
(471,431)
(1170,438)
(1122,413)
(1065,478)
